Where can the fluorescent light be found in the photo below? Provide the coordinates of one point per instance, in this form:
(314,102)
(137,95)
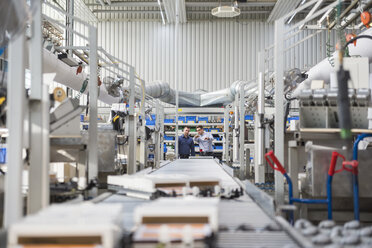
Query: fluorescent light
(161,12)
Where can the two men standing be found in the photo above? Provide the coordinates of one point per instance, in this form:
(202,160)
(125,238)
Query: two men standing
(186,143)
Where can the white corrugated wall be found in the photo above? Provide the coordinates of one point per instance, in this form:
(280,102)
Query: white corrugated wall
(212,55)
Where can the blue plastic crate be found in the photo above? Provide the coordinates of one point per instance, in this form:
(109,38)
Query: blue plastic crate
(181,119)
(191,119)
(168,137)
(203,119)
(168,120)
(3,157)
(293,118)
(152,116)
(150,122)
(218,147)
(249,117)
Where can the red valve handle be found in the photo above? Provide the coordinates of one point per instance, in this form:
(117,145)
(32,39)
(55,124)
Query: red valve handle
(279,166)
(332,166)
(354,166)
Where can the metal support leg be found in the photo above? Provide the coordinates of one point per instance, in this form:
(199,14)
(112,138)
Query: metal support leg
(93,95)
(38,194)
(243,166)
(293,169)
(13,206)
(132,130)
(279,107)
(176,81)
(157,136)
(143,144)
(161,132)
(226,137)
(235,131)
(259,126)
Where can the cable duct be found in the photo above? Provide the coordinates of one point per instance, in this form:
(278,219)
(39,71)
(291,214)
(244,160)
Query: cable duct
(323,69)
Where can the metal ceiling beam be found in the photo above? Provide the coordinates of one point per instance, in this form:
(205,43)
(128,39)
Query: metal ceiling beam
(127,4)
(157,12)
(187,4)
(170,10)
(281,8)
(215,4)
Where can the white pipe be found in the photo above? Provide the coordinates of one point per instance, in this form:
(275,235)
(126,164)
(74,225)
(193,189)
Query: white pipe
(323,69)
(66,75)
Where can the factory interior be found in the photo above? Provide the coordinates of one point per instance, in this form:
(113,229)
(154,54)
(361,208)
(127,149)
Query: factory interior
(185,123)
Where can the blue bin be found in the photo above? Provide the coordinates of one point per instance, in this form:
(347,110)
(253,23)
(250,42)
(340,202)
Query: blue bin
(218,147)
(249,117)
(203,119)
(168,137)
(191,119)
(3,158)
(182,119)
(150,122)
(168,120)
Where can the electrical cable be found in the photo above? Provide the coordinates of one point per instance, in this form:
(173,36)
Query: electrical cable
(356,38)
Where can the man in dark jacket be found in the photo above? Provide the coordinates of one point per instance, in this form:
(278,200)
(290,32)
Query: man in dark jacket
(186,144)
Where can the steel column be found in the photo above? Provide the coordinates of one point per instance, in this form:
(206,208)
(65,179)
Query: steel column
(279,107)
(243,169)
(143,150)
(132,130)
(226,137)
(157,135)
(161,132)
(236,130)
(93,95)
(176,77)
(38,194)
(13,203)
(259,126)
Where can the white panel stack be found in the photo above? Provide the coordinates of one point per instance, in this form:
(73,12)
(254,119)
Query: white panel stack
(167,208)
(80,224)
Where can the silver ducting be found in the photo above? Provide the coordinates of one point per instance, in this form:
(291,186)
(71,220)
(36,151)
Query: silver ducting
(162,91)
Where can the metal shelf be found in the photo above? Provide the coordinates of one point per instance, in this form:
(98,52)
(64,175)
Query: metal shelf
(191,133)
(194,124)
(214,142)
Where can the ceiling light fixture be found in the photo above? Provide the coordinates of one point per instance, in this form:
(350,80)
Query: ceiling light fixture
(226,11)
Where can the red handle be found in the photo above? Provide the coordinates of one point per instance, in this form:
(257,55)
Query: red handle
(332,166)
(354,166)
(279,166)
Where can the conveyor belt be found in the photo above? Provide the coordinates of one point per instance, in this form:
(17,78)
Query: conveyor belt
(198,168)
(242,222)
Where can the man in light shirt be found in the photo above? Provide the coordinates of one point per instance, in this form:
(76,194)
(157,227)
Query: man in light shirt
(205,141)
